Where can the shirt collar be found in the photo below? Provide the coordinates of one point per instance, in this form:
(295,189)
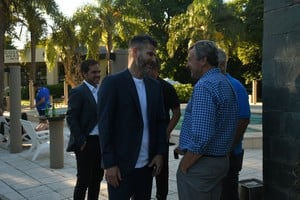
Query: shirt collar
(91,87)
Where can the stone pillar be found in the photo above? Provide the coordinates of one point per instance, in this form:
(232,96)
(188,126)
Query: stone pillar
(66,93)
(7,102)
(52,75)
(56,128)
(120,63)
(31,93)
(15,109)
(254,91)
(281,99)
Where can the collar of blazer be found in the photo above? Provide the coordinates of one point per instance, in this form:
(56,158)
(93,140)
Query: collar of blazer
(88,93)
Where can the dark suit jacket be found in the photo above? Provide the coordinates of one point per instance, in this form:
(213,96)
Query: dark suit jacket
(121,122)
(81,115)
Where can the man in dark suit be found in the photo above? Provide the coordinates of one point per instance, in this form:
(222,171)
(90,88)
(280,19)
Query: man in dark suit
(132,126)
(84,138)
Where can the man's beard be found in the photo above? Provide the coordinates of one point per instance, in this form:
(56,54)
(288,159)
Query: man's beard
(144,66)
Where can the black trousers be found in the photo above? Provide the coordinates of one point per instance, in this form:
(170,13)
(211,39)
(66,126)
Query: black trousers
(162,180)
(231,181)
(136,185)
(89,171)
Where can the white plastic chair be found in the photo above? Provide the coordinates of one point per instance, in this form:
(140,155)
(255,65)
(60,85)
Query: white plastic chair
(39,139)
(5,135)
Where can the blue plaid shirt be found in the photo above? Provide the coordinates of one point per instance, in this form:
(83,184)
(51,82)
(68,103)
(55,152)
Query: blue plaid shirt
(211,116)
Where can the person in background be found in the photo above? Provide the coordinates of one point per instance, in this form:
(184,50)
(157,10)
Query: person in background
(43,124)
(84,138)
(230,182)
(171,103)
(42,99)
(3,120)
(132,124)
(208,127)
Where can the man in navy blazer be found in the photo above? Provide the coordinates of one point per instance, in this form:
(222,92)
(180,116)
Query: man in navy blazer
(84,137)
(131,125)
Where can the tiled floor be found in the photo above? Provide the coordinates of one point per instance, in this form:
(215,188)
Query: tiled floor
(22,179)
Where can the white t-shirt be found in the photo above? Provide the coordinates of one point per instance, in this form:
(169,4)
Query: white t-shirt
(143,158)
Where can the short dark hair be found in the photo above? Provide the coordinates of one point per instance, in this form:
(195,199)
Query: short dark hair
(142,39)
(206,48)
(85,65)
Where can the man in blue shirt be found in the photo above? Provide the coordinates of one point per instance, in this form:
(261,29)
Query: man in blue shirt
(42,99)
(208,127)
(230,182)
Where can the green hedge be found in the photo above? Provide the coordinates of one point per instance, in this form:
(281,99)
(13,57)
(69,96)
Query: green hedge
(24,93)
(57,91)
(184,92)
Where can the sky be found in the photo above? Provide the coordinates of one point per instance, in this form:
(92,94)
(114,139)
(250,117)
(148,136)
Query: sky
(68,7)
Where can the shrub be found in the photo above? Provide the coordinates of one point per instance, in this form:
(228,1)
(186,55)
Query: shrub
(57,91)
(184,92)
(24,93)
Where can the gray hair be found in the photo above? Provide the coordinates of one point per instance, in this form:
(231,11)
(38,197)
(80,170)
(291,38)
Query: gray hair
(206,48)
(222,55)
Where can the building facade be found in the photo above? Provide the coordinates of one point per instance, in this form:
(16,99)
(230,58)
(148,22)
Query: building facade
(56,75)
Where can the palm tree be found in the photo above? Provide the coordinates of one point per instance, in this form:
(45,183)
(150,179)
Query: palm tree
(2,32)
(33,16)
(6,8)
(64,44)
(120,19)
(12,11)
(205,19)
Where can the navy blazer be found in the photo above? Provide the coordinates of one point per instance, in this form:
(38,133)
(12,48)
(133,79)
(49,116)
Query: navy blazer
(121,122)
(81,115)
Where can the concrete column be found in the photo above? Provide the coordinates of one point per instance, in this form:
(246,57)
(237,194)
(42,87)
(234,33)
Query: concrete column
(31,93)
(56,128)
(254,91)
(121,60)
(15,109)
(66,93)
(52,75)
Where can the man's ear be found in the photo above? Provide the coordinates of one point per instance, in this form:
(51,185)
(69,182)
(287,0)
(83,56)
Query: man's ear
(203,60)
(134,51)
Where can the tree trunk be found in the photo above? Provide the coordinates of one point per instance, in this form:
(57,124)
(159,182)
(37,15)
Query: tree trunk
(109,48)
(2,38)
(33,60)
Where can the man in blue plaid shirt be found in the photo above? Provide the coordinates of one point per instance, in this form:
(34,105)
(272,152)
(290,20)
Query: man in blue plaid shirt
(208,127)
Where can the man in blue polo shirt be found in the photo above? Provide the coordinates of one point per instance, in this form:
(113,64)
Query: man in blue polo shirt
(230,182)
(42,99)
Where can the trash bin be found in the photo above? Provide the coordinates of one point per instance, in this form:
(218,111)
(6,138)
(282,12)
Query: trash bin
(251,189)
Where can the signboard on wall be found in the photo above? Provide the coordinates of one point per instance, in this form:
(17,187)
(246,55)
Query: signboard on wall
(11,56)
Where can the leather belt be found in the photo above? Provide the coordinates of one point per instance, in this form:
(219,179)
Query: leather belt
(213,156)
